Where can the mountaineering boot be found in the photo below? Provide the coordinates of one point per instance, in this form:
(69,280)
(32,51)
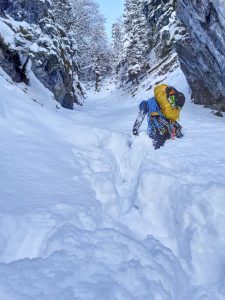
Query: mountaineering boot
(178,129)
(160,139)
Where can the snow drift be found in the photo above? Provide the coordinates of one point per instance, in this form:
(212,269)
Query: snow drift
(89,212)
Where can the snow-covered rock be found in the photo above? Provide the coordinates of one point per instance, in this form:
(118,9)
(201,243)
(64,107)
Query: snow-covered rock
(165,28)
(28,33)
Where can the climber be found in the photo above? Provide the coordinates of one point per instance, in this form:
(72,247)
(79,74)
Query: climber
(163,111)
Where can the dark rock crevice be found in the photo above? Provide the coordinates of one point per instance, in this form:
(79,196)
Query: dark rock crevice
(10,61)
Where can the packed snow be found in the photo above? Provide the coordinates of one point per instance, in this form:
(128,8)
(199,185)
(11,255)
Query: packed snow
(89,211)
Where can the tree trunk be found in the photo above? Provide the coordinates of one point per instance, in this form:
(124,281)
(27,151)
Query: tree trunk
(97,80)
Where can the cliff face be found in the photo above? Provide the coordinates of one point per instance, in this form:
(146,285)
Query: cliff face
(202,53)
(30,37)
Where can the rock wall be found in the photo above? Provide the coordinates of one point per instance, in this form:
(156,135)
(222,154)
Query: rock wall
(202,53)
(29,33)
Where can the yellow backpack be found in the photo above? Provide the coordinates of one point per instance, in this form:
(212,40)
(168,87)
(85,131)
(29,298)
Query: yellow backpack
(170,112)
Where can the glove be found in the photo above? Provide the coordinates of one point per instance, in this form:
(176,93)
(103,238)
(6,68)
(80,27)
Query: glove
(135,132)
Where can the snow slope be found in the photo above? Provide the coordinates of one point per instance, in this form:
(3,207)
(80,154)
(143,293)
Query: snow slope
(90,212)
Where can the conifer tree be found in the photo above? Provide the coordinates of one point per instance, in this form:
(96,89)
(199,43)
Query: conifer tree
(136,39)
(117,42)
(85,25)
